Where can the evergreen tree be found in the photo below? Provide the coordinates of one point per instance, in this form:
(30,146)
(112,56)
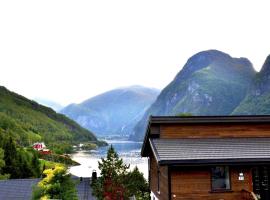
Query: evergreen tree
(11,159)
(137,185)
(36,165)
(2,164)
(24,164)
(113,172)
(20,163)
(112,167)
(115,181)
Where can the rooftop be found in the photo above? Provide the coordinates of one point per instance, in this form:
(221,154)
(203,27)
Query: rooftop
(207,120)
(211,151)
(15,189)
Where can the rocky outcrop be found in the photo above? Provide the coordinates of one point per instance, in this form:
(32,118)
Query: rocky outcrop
(210,83)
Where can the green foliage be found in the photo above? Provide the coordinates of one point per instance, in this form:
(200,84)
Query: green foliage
(45,164)
(61,148)
(113,171)
(137,185)
(28,122)
(89,146)
(19,162)
(112,167)
(64,159)
(36,164)
(254,105)
(2,164)
(57,184)
(115,177)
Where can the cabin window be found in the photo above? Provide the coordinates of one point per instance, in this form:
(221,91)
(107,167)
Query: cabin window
(158,180)
(220,178)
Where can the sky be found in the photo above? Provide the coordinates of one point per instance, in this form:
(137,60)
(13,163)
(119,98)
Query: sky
(68,51)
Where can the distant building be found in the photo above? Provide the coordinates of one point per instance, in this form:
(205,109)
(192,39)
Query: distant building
(41,147)
(208,157)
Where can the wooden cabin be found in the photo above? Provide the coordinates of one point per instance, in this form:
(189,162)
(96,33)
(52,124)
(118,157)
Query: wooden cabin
(215,158)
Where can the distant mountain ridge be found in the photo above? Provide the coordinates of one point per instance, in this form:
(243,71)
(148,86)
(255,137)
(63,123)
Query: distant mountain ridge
(210,83)
(114,112)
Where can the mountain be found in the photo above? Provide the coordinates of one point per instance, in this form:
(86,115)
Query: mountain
(27,122)
(114,112)
(210,83)
(257,100)
(48,103)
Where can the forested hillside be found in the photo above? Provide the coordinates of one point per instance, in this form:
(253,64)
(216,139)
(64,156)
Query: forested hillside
(27,122)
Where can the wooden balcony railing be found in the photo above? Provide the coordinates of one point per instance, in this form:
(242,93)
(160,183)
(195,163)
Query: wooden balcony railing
(247,195)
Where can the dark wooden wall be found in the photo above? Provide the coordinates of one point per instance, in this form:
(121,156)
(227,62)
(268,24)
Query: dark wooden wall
(195,183)
(214,131)
(163,179)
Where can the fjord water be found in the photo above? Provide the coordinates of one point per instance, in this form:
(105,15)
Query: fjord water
(127,150)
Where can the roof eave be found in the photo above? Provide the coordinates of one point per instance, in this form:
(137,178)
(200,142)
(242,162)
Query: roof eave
(239,161)
(210,119)
(146,135)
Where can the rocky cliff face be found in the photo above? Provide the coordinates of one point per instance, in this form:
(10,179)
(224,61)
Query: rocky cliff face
(210,83)
(257,100)
(113,113)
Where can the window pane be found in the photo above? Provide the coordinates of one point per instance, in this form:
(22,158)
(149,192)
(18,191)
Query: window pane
(158,176)
(220,178)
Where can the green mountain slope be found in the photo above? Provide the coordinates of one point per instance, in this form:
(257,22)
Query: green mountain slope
(27,121)
(210,83)
(257,100)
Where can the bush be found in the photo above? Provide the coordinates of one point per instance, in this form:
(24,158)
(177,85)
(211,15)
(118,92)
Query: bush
(57,184)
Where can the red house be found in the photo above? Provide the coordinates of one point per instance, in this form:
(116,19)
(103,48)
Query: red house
(41,147)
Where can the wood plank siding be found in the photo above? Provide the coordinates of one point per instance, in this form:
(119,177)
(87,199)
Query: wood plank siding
(214,130)
(185,164)
(195,183)
(163,179)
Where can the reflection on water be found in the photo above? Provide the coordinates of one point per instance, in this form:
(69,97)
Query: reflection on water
(127,150)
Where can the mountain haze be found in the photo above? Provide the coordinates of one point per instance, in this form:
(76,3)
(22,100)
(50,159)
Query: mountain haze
(48,103)
(114,112)
(210,83)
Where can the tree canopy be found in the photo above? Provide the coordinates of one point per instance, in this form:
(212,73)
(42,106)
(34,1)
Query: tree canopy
(56,184)
(116,181)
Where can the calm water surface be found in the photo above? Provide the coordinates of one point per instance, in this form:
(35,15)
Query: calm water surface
(127,150)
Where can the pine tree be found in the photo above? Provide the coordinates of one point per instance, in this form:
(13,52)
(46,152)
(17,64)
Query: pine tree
(11,159)
(113,172)
(36,165)
(2,164)
(112,167)
(116,182)
(137,185)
